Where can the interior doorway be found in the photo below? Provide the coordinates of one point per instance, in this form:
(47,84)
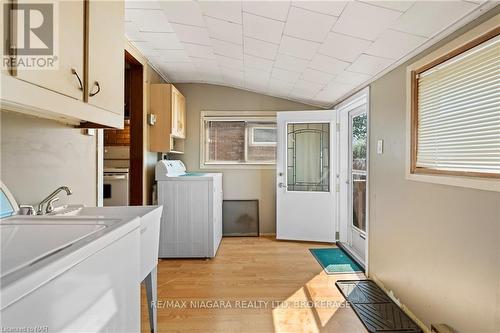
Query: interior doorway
(123,157)
(353,174)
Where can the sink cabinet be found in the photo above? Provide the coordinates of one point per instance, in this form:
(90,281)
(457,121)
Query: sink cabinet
(94,295)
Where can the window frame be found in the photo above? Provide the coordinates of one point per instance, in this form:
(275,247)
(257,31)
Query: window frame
(414,73)
(253,143)
(231,115)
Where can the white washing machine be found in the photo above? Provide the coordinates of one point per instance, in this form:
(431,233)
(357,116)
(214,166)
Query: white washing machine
(191,224)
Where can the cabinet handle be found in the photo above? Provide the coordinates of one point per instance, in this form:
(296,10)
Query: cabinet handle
(75,73)
(92,94)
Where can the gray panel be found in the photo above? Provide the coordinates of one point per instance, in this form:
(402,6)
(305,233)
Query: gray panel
(240,218)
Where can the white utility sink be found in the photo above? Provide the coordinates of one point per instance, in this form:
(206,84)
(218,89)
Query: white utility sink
(21,243)
(150,226)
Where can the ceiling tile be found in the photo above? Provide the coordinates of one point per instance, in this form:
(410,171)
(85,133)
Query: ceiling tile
(400,6)
(298,47)
(326,7)
(277,10)
(301,94)
(427,18)
(256,76)
(225,10)
(280,87)
(284,75)
(142,4)
(227,49)
(331,92)
(233,77)
(132,32)
(173,55)
(146,49)
(178,68)
(191,34)
(290,63)
(368,64)
(309,87)
(262,28)
(223,30)
(199,51)
(258,63)
(308,25)
(352,78)
(343,47)
(148,20)
(184,12)
(328,64)
(316,76)
(231,63)
(394,44)
(365,21)
(163,40)
(260,48)
(207,64)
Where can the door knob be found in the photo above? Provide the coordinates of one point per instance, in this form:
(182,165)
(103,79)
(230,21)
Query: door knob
(281,185)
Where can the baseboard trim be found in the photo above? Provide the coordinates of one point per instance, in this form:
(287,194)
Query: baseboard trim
(401,305)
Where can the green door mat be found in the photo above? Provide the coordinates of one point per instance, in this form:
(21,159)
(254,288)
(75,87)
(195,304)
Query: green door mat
(335,261)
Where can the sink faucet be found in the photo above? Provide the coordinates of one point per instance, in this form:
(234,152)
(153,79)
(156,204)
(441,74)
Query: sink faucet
(50,199)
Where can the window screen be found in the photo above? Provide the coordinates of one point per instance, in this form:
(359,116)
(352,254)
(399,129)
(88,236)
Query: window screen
(458,113)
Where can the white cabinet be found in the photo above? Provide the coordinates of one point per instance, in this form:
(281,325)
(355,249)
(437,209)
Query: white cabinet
(64,79)
(106,40)
(90,49)
(99,294)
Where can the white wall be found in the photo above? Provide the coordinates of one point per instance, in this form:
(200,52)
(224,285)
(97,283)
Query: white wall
(238,184)
(38,155)
(437,247)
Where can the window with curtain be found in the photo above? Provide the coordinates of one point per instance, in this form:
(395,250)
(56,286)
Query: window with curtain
(456,112)
(235,140)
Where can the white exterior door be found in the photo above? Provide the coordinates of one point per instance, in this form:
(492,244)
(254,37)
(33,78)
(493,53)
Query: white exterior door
(305,185)
(353,174)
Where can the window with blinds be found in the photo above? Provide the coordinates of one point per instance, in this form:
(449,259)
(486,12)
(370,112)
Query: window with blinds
(456,113)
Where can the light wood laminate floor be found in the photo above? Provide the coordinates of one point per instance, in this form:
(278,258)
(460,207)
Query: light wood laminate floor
(253,285)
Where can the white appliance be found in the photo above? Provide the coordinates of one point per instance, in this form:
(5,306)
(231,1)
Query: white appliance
(115,187)
(191,224)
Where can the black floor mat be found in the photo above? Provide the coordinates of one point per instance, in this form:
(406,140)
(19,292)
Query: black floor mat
(374,308)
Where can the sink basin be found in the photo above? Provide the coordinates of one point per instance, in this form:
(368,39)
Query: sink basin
(24,244)
(150,226)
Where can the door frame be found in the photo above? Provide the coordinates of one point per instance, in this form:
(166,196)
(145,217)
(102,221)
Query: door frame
(343,108)
(136,174)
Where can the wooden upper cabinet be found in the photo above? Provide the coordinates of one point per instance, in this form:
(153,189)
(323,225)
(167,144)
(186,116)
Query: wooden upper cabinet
(105,62)
(169,107)
(70,43)
(178,114)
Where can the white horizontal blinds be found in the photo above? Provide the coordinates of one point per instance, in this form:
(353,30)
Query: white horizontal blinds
(459,112)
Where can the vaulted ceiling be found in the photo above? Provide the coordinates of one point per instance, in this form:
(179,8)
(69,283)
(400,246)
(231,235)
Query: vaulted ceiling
(315,52)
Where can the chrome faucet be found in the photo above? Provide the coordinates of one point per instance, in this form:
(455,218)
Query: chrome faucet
(50,199)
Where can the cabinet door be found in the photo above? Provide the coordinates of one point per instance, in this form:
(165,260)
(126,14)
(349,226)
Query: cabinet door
(160,104)
(106,40)
(70,55)
(178,114)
